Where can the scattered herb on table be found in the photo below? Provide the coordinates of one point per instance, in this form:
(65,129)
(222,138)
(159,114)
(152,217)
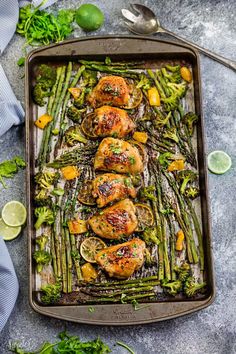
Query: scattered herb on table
(9,168)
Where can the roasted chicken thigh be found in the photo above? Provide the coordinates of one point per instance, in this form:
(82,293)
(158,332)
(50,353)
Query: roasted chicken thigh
(116,221)
(118,155)
(110,187)
(121,261)
(112,90)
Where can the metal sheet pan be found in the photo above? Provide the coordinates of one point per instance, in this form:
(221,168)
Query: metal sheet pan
(119,48)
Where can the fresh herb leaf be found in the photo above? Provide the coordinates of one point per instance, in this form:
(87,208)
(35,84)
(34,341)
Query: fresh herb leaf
(9,168)
(126,347)
(21,61)
(91,309)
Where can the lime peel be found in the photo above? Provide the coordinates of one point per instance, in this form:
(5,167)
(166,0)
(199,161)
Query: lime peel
(14,214)
(219,162)
(89,17)
(7,232)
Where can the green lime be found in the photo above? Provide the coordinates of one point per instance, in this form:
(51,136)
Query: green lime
(7,232)
(89,17)
(219,162)
(14,213)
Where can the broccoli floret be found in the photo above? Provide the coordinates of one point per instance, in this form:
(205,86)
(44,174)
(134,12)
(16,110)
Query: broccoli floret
(150,236)
(190,119)
(178,90)
(41,241)
(42,258)
(186,176)
(191,288)
(174,77)
(148,258)
(73,136)
(171,134)
(171,103)
(168,210)
(51,293)
(161,121)
(173,69)
(147,193)
(75,114)
(192,192)
(46,179)
(164,159)
(183,271)
(172,288)
(44,82)
(42,198)
(144,82)
(90,78)
(79,102)
(43,215)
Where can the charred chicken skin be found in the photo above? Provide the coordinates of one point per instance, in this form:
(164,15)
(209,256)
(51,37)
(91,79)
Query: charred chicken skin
(118,155)
(121,261)
(111,187)
(116,221)
(112,121)
(112,90)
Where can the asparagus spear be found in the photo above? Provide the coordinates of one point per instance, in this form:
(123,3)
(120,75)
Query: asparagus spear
(120,287)
(109,69)
(128,281)
(118,292)
(119,299)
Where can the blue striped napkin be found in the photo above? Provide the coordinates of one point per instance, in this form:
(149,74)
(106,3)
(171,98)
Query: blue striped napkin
(9,286)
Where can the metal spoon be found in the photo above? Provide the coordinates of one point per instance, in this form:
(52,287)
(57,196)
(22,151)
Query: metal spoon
(147,23)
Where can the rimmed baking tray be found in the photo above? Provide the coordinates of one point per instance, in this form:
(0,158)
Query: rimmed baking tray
(119,48)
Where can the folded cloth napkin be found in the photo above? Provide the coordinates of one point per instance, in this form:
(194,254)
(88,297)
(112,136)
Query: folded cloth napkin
(9,286)
(11,111)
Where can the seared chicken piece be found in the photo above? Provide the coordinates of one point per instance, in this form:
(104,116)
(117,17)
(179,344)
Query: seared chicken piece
(116,221)
(118,155)
(110,187)
(111,90)
(112,121)
(121,261)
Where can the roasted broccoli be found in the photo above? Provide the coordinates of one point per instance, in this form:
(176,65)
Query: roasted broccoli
(75,114)
(41,241)
(183,271)
(186,176)
(161,120)
(150,236)
(191,288)
(42,258)
(73,136)
(148,258)
(44,82)
(171,103)
(174,77)
(46,179)
(164,159)
(173,69)
(148,193)
(43,215)
(144,82)
(42,198)
(90,77)
(178,90)
(51,293)
(190,119)
(171,134)
(192,192)
(79,102)
(173,287)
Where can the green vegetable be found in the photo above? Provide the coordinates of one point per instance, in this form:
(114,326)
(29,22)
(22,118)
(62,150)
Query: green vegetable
(43,215)
(42,198)
(46,179)
(51,293)
(164,158)
(150,236)
(173,287)
(73,136)
(144,83)
(126,347)
(171,134)
(42,258)
(172,76)
(58,191)
(75,114)
(191,288)
(9,168)
(183,271)
(192,192)
(21,61)
(190,119)
(148,193)
(41,241)
(45,80)
(185,177)
(89,17)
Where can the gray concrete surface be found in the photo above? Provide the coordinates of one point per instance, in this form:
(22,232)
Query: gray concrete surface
(210,23)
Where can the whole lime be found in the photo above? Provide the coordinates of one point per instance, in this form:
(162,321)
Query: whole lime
(89,17)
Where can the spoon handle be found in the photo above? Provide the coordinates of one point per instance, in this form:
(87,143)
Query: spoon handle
(227,62)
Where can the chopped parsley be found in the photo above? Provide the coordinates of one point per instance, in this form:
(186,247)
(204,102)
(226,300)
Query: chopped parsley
(131,160)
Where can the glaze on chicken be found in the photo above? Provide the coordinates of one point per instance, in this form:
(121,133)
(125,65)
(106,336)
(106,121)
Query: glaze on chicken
(119,156)
(121,261)
(111,90)
(116,221)
(111,187)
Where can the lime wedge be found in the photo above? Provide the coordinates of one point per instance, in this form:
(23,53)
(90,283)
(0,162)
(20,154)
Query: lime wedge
(7,232)
(14,213)
(219,162)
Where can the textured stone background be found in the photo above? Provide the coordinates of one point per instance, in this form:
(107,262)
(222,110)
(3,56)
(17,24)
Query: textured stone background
(210,23)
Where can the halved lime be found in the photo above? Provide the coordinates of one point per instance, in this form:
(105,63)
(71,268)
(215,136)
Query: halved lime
(14,213)
(7,232)
(90,247)
(89,17)
(219,162)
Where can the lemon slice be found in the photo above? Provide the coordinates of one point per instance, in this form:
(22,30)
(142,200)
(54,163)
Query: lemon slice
(144,215)
(7,232)
(85,194)
(90,247)
(14,214)
(219,162)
